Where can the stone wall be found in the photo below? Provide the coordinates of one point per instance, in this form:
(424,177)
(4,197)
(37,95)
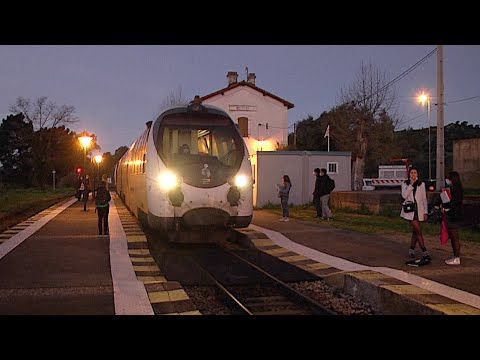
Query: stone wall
(466,160)
(376,201)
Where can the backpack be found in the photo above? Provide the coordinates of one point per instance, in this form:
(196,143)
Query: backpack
(102,198)
(330,185)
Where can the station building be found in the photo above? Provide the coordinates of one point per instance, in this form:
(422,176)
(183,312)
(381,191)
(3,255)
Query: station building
(262,119)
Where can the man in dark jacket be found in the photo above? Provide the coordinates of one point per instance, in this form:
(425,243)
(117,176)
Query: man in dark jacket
(78,193)
(102,200)
(316,193)
(86,191)
(321,195)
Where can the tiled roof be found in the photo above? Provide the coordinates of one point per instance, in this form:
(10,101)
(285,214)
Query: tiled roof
(245,83)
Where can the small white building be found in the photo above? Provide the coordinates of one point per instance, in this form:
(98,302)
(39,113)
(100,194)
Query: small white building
(261,116)
(299,166)
(262,119)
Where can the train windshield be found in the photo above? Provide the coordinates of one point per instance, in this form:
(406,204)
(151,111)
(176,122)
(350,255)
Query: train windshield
(205,149)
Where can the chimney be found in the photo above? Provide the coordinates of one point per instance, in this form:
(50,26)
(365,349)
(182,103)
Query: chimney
(251,78)
(232,77)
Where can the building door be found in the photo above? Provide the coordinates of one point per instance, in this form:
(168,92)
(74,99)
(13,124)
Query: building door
(243,126)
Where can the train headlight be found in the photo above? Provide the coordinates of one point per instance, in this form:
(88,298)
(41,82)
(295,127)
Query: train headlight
(168,180)
(240,180)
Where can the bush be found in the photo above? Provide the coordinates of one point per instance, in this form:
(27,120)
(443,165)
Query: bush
(69,180)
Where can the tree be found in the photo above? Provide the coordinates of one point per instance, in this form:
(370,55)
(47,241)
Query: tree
(173,98)
(44,116)
(15,150)
(110,160)
(369,100)
(119,153)
(42,113)
(62,154)
(108,163)
(309,134)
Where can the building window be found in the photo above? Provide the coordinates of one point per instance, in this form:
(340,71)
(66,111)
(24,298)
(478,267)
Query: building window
(243,126)
(332,167)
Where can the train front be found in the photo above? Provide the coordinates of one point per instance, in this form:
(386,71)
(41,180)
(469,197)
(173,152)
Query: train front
(199,172)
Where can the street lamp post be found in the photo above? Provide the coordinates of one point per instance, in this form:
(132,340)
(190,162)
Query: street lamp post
(423,98)
(85,140)
(98,159)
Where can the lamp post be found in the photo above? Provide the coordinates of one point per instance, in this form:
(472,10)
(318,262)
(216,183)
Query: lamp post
(259,142)
(98,159)
(85,140)
(424,98)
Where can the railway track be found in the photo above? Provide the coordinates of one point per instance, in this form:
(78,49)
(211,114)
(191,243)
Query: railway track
(251,290)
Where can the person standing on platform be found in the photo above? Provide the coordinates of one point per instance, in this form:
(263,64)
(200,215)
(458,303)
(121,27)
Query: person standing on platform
(454,210)
(316,193)
(324,185)
(86,191)
(102,200)
(414,192)
(79,189)
(283,193)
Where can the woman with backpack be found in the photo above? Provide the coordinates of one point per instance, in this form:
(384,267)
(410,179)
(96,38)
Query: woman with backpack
(102,205)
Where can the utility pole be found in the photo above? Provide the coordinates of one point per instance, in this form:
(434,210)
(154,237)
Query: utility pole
(440,131)
(295,136)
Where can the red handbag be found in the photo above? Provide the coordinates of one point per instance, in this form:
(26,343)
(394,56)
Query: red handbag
(444,230)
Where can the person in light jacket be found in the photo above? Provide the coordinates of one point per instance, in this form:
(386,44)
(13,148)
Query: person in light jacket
(414,190)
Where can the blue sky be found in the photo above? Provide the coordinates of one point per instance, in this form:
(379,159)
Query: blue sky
(115,89)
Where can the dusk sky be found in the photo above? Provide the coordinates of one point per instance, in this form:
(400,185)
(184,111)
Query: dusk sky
(116,89)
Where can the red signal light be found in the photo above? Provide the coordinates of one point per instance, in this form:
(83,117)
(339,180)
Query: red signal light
(431,188)
(79,170)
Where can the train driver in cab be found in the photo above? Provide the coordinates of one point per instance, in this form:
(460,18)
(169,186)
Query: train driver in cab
(184,150)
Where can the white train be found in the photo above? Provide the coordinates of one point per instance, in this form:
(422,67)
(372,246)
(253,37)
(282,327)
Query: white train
(189,170)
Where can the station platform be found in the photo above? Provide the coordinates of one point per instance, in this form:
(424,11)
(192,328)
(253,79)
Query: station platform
(55,263)
(373,267)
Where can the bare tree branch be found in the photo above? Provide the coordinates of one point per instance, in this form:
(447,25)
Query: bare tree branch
(371,98)
(43,113)
(173,98)
(369,92)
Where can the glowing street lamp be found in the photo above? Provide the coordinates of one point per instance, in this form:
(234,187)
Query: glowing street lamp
(424,98)
(98,159)
(85,140)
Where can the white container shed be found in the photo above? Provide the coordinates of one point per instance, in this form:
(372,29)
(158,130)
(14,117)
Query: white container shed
(269,167)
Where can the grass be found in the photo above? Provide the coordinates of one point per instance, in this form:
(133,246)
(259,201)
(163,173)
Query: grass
(365,222)
(19,204)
